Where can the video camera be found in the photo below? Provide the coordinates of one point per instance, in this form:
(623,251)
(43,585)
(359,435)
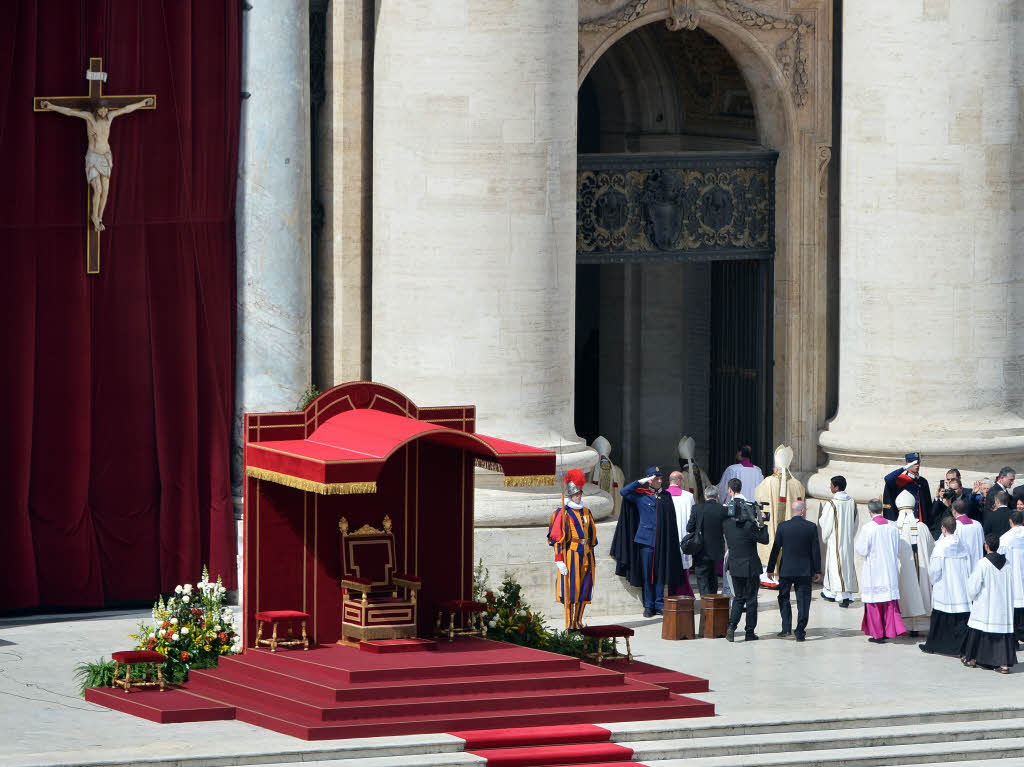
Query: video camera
(749,511)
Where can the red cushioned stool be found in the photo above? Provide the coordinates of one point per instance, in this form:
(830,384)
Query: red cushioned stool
(128,657)
(600,633)
(475,611)
(288,617)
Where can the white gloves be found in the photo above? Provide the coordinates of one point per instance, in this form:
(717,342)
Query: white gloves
(645,480)
(907,467)
(562,567)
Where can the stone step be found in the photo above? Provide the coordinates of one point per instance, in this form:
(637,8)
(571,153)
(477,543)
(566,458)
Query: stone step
(983,751)
(853,738)
(623,732)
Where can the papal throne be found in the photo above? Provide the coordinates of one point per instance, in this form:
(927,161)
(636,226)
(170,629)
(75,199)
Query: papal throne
(377,603)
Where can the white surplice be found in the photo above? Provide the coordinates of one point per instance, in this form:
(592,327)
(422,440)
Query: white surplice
(1011,546)
(949,567)
(683,503)
(750,476)
(915,587)
(878,543)
(991,592)
(972,535)
(838,523)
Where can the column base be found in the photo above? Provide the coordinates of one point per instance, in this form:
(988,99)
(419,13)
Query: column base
(865,455)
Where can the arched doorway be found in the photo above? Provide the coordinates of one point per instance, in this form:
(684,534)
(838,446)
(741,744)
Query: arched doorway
(675,253)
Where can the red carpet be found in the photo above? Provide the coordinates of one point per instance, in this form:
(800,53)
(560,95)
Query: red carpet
(467,685)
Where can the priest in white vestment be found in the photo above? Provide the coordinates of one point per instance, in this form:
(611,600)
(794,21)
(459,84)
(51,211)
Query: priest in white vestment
(915,549)
(879,543)
(1011,545)
(969,531)
(682,501)
(780,491)
(837,519)
(695,479)
(749,475)
(949,567)
(990,642)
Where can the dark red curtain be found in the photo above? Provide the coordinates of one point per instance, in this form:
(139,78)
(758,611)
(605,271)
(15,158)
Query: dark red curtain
(117,388)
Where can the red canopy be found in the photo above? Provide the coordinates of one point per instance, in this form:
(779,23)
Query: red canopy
(347,452)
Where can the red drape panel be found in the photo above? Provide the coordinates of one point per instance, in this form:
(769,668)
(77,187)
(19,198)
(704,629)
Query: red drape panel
(117,393)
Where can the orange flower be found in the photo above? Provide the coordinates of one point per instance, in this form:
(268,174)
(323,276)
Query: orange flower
(184,657)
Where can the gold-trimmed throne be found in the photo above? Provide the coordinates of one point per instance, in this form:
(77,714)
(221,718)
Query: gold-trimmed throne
(377,602)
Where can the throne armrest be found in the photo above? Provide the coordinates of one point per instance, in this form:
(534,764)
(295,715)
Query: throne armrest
(364,585)
(406,581)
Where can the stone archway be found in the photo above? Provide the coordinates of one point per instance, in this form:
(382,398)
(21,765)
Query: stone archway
(783,50)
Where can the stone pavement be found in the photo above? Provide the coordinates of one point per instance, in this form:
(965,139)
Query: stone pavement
(835,673)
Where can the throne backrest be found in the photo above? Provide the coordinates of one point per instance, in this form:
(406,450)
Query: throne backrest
(368,553)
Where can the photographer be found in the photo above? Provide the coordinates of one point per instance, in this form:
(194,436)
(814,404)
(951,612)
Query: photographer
(744,528)
(941,508)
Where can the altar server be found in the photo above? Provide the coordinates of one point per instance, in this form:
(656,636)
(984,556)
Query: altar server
(879,542)
(908,478)
(989,642)
(969,531)
(749,475)
(838,522)
(949,568)
(916,545)
(1011,545)
(574,535)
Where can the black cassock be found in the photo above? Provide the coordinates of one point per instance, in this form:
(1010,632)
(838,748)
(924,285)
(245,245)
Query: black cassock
(668,560)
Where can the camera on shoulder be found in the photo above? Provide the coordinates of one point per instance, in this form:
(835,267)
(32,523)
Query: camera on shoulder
(748,511)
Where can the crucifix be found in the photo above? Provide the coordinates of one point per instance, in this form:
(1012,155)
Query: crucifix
(98,111)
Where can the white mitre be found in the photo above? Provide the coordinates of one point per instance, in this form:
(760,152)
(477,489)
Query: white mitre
(906,500)
(687,448)
(783,457)
(602,446)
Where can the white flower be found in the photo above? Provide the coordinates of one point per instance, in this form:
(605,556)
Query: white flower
(162,632)
(174,621)
(174,637)
(188,588)
(177,589)
(185,600)
(184,630)
(492,622)
(152,636)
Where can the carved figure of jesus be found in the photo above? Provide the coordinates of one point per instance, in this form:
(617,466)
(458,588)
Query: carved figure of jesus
(99,163)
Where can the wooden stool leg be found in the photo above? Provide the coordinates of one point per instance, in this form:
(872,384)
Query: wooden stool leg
(113,681)
(600,651)
(259,633)
(273,638)
(160,675)
(451,627)
(127,677)
(305,639)
(629,653)
(437,624)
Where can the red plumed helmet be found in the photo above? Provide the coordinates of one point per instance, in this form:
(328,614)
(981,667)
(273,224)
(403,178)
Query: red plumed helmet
(574,481)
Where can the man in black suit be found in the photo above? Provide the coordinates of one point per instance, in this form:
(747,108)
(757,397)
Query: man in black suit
(707,518)
(1004,481)
(996,521)
(797,540)
(743,530)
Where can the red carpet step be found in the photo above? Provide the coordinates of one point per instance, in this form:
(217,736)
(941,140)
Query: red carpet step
(467,685)
(673,681)
(541,756)
(397,645)
(533,736)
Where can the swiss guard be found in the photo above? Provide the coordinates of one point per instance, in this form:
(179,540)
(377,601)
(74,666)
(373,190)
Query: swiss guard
(906,478)
(574,535)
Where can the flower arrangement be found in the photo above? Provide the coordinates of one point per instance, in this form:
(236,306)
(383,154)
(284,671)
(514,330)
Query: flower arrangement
(192,628)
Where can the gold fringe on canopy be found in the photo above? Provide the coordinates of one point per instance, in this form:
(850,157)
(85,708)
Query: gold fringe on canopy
(330,488)
(530,480)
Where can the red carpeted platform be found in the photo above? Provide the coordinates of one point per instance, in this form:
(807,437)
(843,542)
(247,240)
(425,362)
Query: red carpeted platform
(470,684)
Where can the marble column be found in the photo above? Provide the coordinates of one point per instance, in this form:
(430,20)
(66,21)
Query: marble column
(474,217)
(932,273)
(273,213)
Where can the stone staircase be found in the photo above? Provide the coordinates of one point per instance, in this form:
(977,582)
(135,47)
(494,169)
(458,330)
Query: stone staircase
(972,736)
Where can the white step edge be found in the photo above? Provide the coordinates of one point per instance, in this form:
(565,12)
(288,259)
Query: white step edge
(878,756)
(855,738)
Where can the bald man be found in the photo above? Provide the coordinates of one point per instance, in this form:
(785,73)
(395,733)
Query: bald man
(796,540)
